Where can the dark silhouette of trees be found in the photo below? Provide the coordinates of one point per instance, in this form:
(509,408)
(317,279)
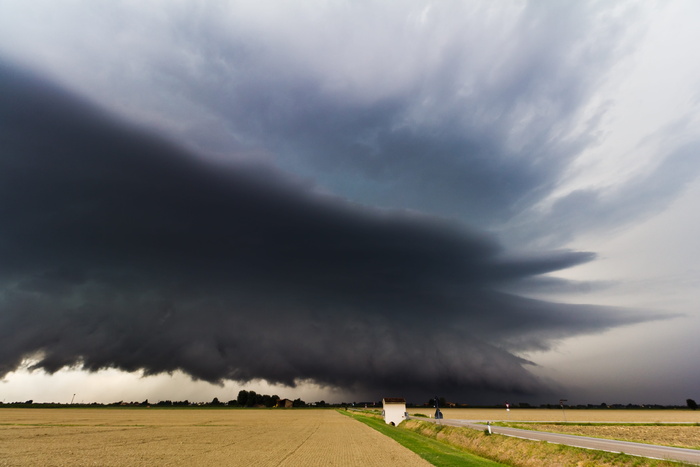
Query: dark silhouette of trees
(253,399)
(692,404)
(269,401)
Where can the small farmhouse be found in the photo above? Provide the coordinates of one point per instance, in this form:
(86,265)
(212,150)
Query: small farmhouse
(394,410)
(286,403)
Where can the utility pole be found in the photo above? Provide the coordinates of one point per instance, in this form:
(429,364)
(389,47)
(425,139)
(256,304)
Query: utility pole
(561,404)
(438,414)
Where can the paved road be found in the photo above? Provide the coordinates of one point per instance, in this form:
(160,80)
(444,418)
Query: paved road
(638,449)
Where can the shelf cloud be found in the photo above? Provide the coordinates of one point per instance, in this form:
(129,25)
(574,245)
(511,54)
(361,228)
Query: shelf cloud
(121,249)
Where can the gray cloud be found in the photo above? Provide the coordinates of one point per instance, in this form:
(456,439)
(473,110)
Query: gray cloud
(470,111)
(118,249)
(606,210)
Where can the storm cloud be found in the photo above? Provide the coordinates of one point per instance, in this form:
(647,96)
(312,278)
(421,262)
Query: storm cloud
(119,249)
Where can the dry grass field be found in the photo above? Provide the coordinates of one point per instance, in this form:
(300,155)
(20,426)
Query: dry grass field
(117,437)
(569,415)
(673,435)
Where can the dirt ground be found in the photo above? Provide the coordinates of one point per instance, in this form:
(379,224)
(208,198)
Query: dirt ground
(136,437)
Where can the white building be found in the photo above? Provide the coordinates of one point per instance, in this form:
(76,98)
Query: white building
(394,410)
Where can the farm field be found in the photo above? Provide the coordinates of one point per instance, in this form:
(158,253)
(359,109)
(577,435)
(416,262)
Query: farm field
(627,425)
(569,415)
(681,436)
(116,437)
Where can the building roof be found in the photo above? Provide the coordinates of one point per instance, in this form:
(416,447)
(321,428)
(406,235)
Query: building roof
(394,400)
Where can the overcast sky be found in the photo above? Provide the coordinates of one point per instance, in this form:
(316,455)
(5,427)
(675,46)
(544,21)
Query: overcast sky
(350,200)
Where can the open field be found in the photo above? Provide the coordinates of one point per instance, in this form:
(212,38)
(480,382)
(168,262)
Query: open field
(681,436)
(672,435)
(568,415)
(527,453)
(117,437)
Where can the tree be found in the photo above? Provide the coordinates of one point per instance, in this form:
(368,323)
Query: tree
(269,401)
(242,397)
(252,399)
(692,404)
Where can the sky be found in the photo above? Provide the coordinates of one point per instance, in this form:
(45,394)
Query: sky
(344,201)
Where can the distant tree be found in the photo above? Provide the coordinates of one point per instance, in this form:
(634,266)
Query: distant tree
(442,402)
(215,401)
(269,401)
(298,403)
(233,403)
(692,404)
(252,399)
(242,397)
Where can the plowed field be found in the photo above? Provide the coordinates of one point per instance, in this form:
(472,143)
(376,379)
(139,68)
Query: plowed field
(139,437)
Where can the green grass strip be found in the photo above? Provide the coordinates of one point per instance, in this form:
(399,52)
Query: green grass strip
(436,452)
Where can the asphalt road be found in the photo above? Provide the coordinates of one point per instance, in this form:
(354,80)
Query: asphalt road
(691,456)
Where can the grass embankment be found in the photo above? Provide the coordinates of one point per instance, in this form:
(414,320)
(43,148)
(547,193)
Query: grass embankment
(527,453)
(503,449)
(436,452)
(681,435)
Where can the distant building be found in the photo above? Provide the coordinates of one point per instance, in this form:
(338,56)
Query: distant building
(394,410)
(286,403)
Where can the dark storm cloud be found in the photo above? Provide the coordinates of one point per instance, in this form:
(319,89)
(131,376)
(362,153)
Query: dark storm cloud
(478,126)
(472,111)
(460,109)
(118,249)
